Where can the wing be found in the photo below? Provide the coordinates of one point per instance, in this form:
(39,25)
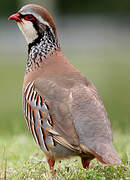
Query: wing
(92,124)
(89,113)
(41,113)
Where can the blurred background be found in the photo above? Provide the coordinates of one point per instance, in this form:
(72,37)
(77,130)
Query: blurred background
(94,35)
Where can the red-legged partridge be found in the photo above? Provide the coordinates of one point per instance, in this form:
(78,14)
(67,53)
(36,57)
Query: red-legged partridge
(63,110)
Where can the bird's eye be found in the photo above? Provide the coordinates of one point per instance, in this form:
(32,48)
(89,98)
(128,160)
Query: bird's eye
(29,18)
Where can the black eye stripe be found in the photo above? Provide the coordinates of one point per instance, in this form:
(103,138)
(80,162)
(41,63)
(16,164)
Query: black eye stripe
(28,15)
(21,15)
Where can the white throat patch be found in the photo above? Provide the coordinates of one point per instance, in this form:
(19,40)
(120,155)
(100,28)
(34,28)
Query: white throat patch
(28,30)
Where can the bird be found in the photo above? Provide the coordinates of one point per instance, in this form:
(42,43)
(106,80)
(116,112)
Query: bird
(62,108)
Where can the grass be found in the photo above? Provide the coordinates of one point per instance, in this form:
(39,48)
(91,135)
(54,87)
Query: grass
(20,158)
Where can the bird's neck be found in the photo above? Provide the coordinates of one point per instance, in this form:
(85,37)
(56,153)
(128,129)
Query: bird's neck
(39,49)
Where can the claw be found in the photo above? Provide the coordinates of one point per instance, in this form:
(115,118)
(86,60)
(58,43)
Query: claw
(53,172)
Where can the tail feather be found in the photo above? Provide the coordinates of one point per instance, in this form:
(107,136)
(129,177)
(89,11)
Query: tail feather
(106,154)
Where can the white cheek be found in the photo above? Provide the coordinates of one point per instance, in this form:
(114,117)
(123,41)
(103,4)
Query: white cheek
(28,30)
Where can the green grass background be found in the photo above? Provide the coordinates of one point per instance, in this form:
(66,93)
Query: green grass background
(20,158)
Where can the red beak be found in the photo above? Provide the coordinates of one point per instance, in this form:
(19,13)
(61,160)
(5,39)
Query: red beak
(15,17)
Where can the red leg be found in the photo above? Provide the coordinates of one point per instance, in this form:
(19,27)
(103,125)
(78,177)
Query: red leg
(85,162)
(51,163)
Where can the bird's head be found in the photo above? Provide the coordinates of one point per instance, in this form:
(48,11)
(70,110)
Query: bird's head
(33,20)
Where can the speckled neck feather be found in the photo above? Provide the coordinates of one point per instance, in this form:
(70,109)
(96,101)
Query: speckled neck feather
(38,50)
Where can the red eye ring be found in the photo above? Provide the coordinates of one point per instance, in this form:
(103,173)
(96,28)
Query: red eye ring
(29,17)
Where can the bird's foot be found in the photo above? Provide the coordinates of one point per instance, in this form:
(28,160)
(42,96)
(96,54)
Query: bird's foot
(51,166)
(53,172)
(85,162)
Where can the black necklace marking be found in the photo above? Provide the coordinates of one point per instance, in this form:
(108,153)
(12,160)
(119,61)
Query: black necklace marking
(39,48)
